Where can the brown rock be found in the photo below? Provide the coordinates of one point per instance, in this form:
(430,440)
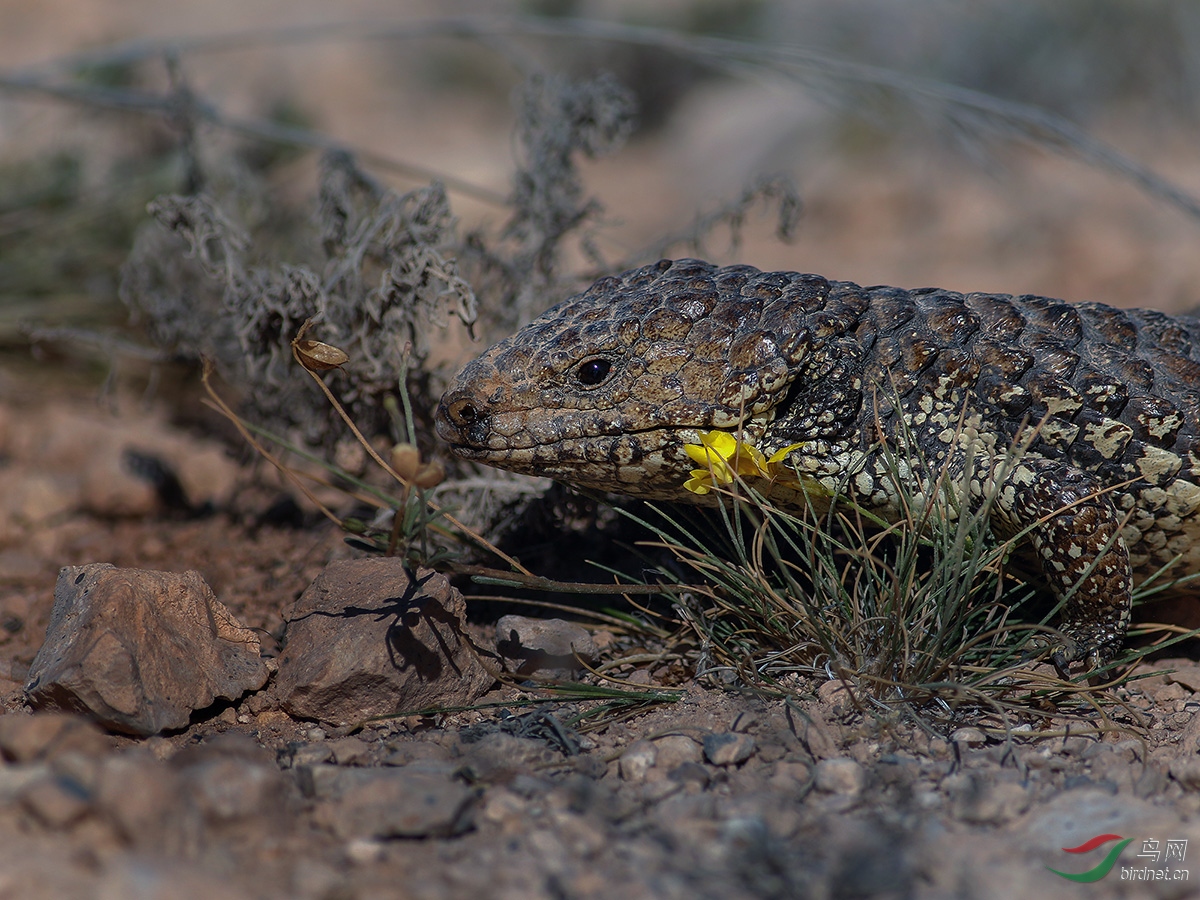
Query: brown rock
(544,646)
(1184,673)
(137,793)
(499,757)
(675,750)
(56,802)
(840,775)
(636,760)
(47,735)
(1186,770)
(728,749)
(367,639)
(400,803)
(139,650)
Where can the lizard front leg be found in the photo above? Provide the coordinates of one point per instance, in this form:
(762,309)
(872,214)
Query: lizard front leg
(1073,530)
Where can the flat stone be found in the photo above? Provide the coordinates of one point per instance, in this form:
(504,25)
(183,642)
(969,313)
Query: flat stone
(981,802)
(140,651)
(500,757)
(350,751)
(369,639)
(399,803)
(676,749)
(407,753)
(138,794)
(972,737)
(728,749)
(840,775)
(543,646)
(46,735)
(310,754)
(56,801)
(1186,770)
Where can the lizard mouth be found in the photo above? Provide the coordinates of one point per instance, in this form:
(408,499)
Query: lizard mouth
(468,427)
(608,456)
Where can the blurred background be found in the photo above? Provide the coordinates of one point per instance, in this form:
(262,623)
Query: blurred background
(1015,146)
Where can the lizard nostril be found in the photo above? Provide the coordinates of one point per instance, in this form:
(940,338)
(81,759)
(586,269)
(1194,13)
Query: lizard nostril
(463,413)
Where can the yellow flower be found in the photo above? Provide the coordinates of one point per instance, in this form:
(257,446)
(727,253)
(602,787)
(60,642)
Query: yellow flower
(725,457)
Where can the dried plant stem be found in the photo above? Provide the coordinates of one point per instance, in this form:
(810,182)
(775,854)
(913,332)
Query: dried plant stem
(222,407)
(379,460)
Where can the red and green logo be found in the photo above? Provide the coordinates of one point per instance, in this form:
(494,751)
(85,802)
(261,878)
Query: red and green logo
(1105,865)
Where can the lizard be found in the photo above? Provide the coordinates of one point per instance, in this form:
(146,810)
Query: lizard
(607,389)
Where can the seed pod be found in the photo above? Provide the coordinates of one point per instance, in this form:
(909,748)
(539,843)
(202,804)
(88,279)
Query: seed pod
(406,461)
(429,475)
(317,356)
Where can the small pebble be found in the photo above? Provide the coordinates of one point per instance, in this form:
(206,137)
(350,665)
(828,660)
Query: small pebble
(972,737)
(676,749)
(350,751)
(834,692)
(1186,771)
(991,804)
(728,749)
(840,775)
(364,850)
(690,772)
(311,754)
(638,759)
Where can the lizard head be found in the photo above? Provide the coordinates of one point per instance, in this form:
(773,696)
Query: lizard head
(606,388)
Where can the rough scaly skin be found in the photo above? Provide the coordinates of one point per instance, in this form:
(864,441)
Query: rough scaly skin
(605,389)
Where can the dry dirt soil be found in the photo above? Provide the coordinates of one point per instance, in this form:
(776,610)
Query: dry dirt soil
(721,794)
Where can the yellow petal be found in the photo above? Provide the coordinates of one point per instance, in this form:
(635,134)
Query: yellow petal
(720,472)
(722,442)
(700,482)
(726,457)
(749,461)
(782,455)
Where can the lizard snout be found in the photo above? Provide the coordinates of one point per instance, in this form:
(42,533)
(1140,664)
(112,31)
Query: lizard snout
(462,420)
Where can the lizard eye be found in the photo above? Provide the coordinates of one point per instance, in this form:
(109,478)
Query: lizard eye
(592,372)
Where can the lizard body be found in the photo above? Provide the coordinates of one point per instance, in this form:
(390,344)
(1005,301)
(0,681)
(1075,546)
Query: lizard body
(606,389)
